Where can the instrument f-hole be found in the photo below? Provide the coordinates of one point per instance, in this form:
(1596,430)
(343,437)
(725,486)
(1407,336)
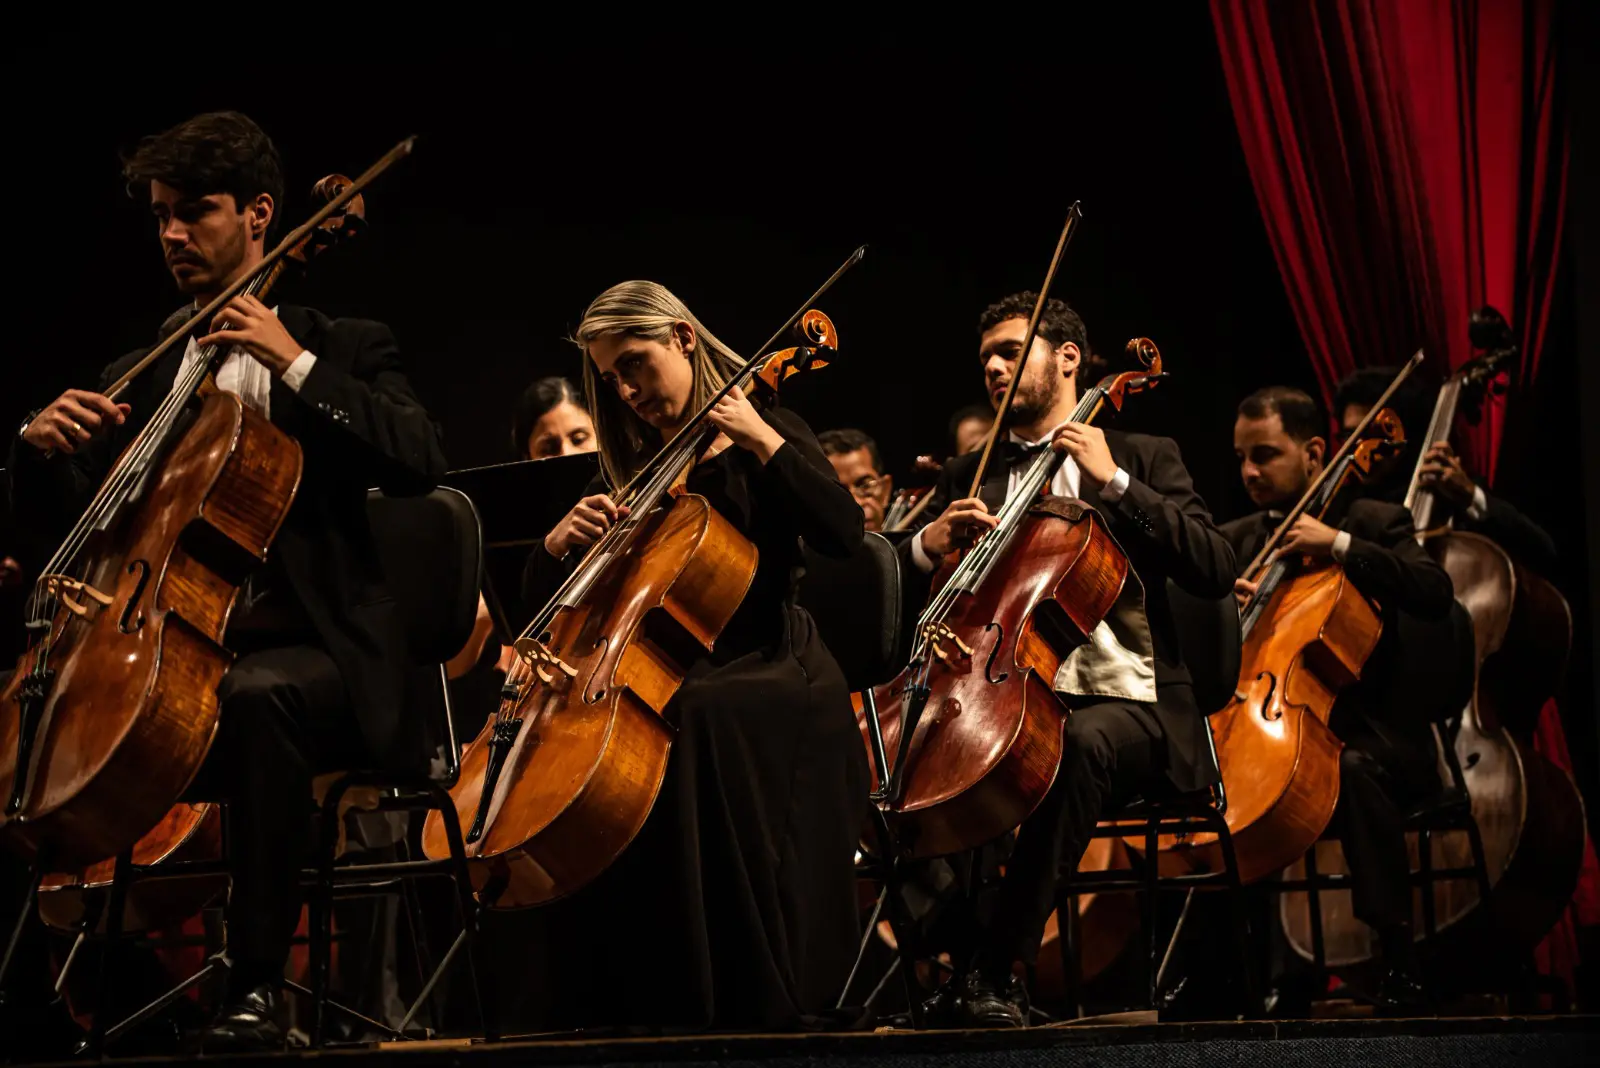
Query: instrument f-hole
(132,617)
(994,650)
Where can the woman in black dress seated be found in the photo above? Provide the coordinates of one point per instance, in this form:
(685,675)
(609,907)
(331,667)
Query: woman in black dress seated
(735,907)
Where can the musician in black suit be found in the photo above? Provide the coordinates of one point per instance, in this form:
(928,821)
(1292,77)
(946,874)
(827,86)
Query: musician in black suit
(1467,504)
(1390,758)
(1134,727)
(318,638)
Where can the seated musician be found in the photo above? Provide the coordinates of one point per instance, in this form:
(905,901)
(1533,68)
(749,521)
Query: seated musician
(1390,757)
(318,640)
(550,420)
(735,906)
(1134,727)
(968,427)
(859,468)
(1472,507)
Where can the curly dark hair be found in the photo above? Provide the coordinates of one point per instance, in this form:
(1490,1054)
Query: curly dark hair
(1059,324)
(1363,386)
(848,439)
(1302,420)
(541,396)
(218,152)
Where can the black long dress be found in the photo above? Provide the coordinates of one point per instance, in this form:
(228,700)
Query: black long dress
(735,907)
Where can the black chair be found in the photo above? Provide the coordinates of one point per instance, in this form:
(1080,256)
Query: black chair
(857,605)
(1438,683)
(432,552)
(1208,634)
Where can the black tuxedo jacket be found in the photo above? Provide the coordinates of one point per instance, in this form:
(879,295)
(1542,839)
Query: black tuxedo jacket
(1167,532)
(1379,712)
(359,425)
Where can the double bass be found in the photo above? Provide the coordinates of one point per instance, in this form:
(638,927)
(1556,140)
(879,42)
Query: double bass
(1307,634)
(563,776)
(113,707)
(1529,814)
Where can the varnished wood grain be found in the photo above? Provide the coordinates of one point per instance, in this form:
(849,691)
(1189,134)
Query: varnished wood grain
(133,708)
(988,748)
(592,750)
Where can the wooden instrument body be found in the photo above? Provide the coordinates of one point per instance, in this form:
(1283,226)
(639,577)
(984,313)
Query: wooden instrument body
(989,741)
(1529,813)
(1278,756)
(188,832)
(133,707)
(592,749)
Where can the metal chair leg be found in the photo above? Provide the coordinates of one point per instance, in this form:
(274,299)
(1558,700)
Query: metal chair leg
(470,910)
(321,912)
(113,938)
(24,913)
(1250,999)
(1430,919)
(1152,911)
(1319,949)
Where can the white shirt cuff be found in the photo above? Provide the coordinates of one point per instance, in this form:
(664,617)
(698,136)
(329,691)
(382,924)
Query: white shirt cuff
(1480,504)
(1341,545)
(919,556)
(295,375)
(1113,490)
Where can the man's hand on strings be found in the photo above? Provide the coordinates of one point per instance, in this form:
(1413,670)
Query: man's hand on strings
(73,419)
(1087,446)
(1442,472)
(250,324)
(1310,536)
(1243,590)
(958,527)
(588,521)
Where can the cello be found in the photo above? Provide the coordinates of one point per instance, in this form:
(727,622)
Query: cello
(988,646)
(563,776)
(1529,814)
(1307,633)
(193,831)
(113,707)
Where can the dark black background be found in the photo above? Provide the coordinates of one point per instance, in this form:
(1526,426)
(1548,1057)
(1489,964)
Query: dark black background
(739,175)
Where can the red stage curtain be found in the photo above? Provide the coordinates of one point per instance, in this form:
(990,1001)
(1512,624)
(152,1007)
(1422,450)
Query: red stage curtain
(1410,160)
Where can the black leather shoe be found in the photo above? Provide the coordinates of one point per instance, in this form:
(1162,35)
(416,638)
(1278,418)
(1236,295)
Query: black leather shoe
(248,1022)
(982,1004)
(939,1011)
(1399,994)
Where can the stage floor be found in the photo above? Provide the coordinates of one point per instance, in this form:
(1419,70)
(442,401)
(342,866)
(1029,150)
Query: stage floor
(1490,1042)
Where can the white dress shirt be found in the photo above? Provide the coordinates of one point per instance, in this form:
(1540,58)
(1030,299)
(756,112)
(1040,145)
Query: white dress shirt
(1065,484)
(1118,660)
(247,377)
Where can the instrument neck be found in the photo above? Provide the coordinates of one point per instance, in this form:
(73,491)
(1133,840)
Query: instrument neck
(1278,566)
(1420,502)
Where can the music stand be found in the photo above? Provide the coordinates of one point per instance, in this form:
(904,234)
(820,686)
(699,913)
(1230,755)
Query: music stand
(518,504)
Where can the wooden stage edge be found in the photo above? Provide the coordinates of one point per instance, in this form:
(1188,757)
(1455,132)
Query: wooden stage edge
(1548,1041)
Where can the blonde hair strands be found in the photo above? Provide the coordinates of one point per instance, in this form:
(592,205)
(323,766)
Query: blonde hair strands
(649,311)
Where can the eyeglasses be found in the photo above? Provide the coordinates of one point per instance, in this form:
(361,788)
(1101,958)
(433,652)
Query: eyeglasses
(865,488)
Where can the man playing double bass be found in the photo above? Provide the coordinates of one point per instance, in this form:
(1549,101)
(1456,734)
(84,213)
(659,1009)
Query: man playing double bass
(1134,727)
(317,638)
(1390,758)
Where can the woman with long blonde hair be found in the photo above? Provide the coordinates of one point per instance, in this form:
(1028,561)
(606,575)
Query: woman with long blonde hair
(735,907)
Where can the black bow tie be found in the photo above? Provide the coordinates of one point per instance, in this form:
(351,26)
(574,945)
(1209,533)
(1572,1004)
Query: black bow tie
(1016,453)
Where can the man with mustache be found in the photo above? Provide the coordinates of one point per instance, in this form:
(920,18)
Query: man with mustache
(1389,758)
(1133,727)
(318,640)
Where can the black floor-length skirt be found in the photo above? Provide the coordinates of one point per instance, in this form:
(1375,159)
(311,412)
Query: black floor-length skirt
(735,907)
